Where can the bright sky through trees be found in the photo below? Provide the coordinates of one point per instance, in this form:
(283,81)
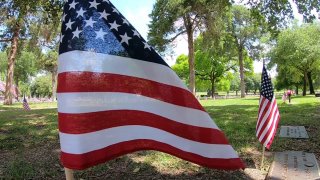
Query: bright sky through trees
(137,14)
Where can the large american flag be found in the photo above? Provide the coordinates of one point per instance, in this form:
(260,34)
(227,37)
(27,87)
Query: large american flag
(116,95)
(268,115)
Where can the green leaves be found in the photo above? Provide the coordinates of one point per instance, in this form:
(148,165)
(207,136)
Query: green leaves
(296,53)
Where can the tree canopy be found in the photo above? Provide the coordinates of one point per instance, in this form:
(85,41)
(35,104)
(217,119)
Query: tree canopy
(170,19)
(24,20)
(297,54)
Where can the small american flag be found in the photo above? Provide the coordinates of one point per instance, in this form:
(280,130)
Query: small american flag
(117,95)
(269,116)
(25,104)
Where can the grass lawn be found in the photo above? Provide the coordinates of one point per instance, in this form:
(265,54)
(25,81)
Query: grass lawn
(29,143)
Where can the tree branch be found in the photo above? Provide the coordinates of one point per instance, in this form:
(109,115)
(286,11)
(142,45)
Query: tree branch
(173,38)
(6,40)
(202,76)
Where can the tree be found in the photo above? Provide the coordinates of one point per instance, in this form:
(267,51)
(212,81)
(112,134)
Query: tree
(214,61)
(25,66)
(3,59)
(182,68)
(16,17)
(246,32)
(170,19)
(235,83)
(41,87)
(253,82)
(49,63)
(297,50)
(288,78)
(278,14)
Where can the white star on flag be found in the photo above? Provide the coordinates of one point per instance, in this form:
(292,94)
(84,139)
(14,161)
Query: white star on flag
(89,22)
(80,12)
(72,5)
(147,46)
(94,4)
(104,15)
(69,24)
(115,10)
(76,33)
(64,17)
(114,25)
(125,38)
(61,38)
(100,34)
(135,33)
(125,22)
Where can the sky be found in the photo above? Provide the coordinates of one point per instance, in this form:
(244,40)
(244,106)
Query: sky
(137,11)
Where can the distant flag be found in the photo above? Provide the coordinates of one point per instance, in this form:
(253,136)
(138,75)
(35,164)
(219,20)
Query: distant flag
(116,95)
(268,115)
(25,104)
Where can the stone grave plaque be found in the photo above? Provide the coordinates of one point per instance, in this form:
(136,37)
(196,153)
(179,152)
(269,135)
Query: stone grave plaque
(294,165)
(293,132)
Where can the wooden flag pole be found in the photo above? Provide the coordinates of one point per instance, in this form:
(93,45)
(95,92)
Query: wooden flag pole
(69,174)
(262,158)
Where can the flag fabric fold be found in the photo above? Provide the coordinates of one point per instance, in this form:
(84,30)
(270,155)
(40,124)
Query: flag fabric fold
(268,114)
(116,95)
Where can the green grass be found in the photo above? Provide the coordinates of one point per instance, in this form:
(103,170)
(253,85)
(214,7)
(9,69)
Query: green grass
(29,142)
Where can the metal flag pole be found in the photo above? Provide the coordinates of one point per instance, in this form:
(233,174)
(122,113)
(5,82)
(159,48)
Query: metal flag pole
(262,158)
(69,174)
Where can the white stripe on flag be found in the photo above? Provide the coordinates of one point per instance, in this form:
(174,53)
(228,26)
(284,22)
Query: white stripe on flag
(271,120)
(85,102)
(265,117)
(105,63)
(272,131)
(265,102)
(83,143)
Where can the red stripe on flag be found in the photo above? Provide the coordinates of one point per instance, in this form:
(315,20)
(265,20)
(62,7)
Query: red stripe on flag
(274,132)
(105,82)
(90,122)
(264,139)
(268,118)
(260,106)
(82,161)
(264,111)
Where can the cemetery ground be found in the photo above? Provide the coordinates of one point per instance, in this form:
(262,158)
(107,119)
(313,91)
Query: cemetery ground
(29,143)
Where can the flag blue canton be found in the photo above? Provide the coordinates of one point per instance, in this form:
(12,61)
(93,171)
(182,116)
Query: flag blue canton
(99,27)
(266,85)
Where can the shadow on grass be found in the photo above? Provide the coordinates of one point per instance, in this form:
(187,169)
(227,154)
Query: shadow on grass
(34,142)
(27,128)
(139,165)
(238,122)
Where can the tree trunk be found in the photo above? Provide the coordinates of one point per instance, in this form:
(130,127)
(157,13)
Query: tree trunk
(297,90)
(10,70)
(310,83)
(305,79)
(212,88)
(242,84)
(53,81)
(189,28)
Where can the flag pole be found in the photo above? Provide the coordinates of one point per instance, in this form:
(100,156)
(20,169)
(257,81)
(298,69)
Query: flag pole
(69,174)
(262,158)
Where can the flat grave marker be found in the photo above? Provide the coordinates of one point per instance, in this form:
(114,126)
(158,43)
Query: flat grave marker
(294,165)
(293,132)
